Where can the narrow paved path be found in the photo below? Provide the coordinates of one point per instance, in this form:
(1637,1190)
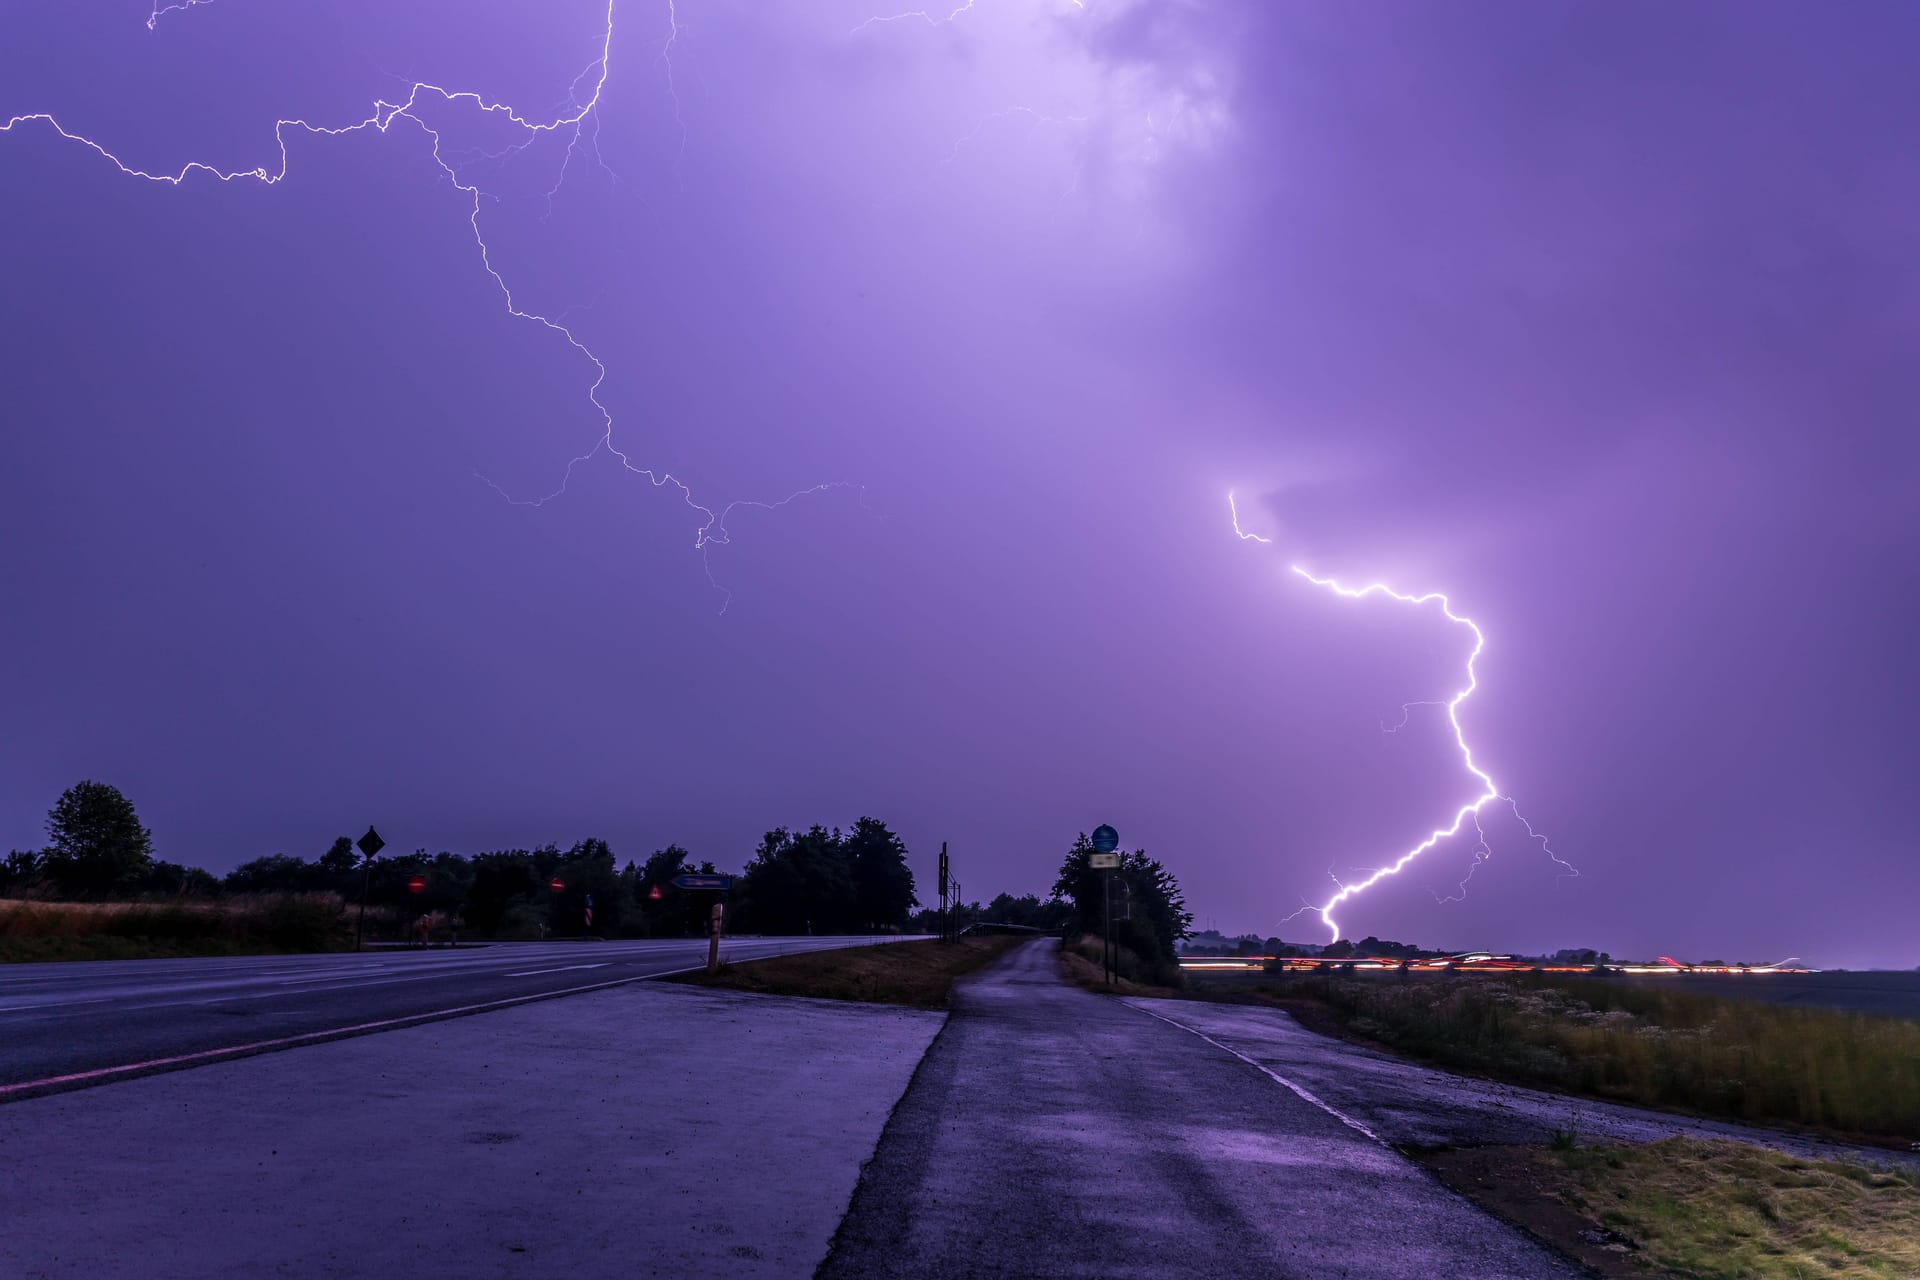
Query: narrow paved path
(1053,1132)
(1406,1103)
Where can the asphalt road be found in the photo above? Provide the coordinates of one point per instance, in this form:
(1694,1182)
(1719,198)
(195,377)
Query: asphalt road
(71,1025)
(1053,1132)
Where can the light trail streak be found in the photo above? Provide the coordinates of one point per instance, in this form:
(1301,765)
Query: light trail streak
(712,531)
(1488,793)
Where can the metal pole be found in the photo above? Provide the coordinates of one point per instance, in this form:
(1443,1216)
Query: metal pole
(360,925)
(1106,926)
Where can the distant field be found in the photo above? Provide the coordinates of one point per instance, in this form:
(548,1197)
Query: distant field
(1891,992)
(1887,992)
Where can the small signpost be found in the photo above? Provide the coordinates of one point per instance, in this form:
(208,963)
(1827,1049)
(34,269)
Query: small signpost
(368,844)
(703,882)
(713,939)
(1104,860)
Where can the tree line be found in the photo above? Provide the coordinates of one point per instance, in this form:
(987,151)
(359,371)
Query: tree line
(819,880)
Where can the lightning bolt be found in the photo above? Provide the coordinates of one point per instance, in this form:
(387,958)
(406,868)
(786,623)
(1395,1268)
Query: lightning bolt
(712,531)
(162,10)
(925,15)
(1471,810)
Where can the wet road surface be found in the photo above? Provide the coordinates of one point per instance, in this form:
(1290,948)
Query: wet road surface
(1411,1105)
(1053,1132)
(81,1023)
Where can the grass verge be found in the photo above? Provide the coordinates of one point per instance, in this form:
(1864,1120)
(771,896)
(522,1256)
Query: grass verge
(918,974)
(1844,1073)
(32,930)
(1080,962)
(1699,1210)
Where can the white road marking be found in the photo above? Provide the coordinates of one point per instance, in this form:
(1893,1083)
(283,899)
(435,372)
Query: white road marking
(1264,1069)
(534,973)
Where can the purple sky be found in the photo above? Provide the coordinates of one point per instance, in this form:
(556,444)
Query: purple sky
(1600,318)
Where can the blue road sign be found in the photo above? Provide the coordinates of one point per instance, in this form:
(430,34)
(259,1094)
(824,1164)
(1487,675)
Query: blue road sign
(1105,839)
(703,882)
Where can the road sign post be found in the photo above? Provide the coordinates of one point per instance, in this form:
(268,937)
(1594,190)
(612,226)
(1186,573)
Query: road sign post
(713,939)
(368,844)
(1104,859)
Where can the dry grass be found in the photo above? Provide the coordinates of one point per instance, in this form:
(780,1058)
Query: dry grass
(34,930)
(1844,1072)
(920,974)
(1713,1210)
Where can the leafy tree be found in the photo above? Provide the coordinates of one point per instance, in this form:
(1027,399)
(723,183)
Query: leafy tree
(1029,910)
(176,881)
(339,866)
(587,869)
(275,873)
(798,883)
(501,880)
(98,846)
(677,913)
(18,870)
(1157,915)
(882,882)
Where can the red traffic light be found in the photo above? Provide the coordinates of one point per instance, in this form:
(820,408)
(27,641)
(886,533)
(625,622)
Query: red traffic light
(556,884)
(416,884)
(654,893)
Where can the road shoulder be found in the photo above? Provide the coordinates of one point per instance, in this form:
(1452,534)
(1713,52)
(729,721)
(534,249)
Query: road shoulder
(643,1130)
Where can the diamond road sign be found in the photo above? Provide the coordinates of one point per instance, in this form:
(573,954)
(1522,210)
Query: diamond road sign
(371,843)
(1105,839)
(703,882)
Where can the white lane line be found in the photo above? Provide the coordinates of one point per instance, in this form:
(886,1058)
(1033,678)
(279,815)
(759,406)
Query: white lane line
(534,973)
(313,1037)
(1271,1074)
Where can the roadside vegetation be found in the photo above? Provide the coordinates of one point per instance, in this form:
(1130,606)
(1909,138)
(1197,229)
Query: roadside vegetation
(1743,1060)
(1147,911)
(1080,960)
(97,890)
(919,974)
(1702,1210)
(240,925)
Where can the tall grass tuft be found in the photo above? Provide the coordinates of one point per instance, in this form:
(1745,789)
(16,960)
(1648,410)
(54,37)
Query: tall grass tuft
(1745,1060)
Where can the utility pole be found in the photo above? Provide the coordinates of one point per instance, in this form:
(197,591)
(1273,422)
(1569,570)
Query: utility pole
(946,922)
